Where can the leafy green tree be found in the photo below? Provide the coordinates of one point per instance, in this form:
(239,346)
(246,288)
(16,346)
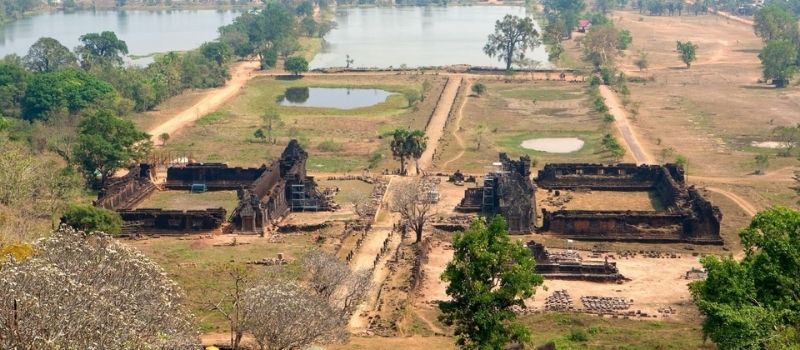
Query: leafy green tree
(13,83)
(296,65)
(305,8)
(601,45)
(253,32)
(512,38)
(101,48)
(407,144)
(88,218)
(774,21)
(47,55)
(753,303)
(309,26)
(72,90)
(412,96)
(779,61)
(107,143)
(479,89)
(624,39)
(489,274)
(688,52)
(216,51)
(269,58)
(563,15)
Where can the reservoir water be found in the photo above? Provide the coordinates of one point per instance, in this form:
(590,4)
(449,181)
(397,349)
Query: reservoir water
(146,32)
(341,98)
(415,36)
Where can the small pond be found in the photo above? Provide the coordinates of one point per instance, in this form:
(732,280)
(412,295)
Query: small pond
(340,98)
(554,145)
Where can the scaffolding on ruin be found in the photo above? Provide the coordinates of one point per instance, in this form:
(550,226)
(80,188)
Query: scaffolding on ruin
(300,201)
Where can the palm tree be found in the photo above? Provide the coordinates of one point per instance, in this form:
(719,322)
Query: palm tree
(408,144)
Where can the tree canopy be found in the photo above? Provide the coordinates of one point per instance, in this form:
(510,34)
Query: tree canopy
(101,48)
(88,218)
(489,274)
(71,90)
(753,303)
(688,52)
(601,45)
(775,21)
(407,144)
(47,55)
(296,65)
(107,143)
(512,38)
(779,61)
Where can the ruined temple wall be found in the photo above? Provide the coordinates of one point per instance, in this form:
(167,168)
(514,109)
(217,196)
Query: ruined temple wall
(174,219)
(668,190)
(471,202)
(266,181)
(705,219)
(216,176)
(618,177)
(644,226)
(127,191)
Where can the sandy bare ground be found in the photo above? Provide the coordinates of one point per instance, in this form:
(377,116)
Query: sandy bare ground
(433,288)
(623,125)
(457,128)
(438,119)
(214,99)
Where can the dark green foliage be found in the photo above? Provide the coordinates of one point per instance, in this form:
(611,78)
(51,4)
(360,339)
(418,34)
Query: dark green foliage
(305,8)
(253,32)
(479,89)
(489,274)
(562,16)
(296,65)
(595,81)
(269,57)
(101,49)
(779,61)
(216,51)
(774,21)
(69,90)
(408,144)
(309,26)
(199,72)
(13,83)
(512,38)
(607,74)
(753,303)
(47,55)
(107,143)
(88,218)
(688,52)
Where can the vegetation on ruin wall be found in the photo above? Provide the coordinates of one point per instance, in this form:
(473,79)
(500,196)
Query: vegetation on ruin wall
(337,140)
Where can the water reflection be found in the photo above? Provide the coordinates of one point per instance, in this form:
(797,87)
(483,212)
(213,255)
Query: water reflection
(340,98)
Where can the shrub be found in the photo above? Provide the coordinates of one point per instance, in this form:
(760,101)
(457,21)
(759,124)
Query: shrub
(89,218)
(479,89)
(296,65)
(577,335)
(330,146)
(594,81)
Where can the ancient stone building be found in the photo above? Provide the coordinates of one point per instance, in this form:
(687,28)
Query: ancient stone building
(687,216)
(266,194)
(507,190)
(281,188)
(570,266)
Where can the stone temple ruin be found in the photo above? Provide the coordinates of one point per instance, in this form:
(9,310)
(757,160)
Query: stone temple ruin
(570,266)
(266,194)
(507,190)
(685,216)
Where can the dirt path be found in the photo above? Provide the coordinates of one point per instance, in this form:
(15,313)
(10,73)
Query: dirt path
(457,127)
(623,125)
(741,202)
(214,99)
(438,119)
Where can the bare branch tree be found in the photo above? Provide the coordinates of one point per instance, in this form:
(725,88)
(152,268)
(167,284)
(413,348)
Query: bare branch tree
(333,281)
(83,291)
(284,315)
(411,200)
(229,302)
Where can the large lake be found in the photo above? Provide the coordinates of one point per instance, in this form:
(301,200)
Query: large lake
(374,36)
(414,36)
(146,32)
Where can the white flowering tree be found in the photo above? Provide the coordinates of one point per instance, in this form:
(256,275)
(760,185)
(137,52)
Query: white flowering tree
(333,281)
(88,291)
(284,315)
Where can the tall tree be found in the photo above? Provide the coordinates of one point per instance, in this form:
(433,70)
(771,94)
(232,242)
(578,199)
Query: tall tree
(107,143)
(688,52)
(779,61)
(563,15)
(415,207)
(71,90)
(101,49)
(512,38)
(216,51)
(407,144)
(753,303)
(601,45)
(47,55)
(489,274)
(774,21)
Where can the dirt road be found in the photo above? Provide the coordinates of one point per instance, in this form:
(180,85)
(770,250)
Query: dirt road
(457,128)
(438,119)
(214,99)
(623,125)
